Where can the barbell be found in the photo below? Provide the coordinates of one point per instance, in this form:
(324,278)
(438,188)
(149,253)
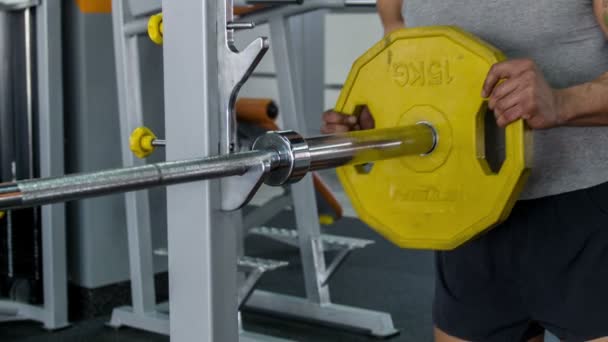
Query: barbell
(420,178)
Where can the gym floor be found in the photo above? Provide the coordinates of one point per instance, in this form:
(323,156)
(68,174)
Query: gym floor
(380,277)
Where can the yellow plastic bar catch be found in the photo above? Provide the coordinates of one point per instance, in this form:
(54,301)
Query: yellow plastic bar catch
(141,142)
(155,28)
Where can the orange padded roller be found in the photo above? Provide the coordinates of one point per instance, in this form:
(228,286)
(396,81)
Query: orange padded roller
(244,10)
(254,110)
(261,112)
(327,195)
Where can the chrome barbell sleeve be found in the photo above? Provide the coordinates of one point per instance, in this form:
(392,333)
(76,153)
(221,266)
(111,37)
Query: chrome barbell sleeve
(362,147)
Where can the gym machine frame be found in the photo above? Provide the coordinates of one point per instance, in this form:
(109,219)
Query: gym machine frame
(130,20)
(45,53)
(299,72)
(145,313)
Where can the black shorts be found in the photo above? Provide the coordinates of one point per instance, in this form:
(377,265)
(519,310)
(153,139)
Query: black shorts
(546,267)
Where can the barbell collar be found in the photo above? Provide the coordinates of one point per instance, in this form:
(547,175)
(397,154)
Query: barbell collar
(292,156)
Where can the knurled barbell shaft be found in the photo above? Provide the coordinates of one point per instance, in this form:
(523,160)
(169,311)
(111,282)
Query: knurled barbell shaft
(35,192)
(322,152)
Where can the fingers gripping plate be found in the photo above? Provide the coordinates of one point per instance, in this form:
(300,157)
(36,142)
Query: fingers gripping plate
(437,201)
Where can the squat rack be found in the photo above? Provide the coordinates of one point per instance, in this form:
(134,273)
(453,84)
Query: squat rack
(145,313)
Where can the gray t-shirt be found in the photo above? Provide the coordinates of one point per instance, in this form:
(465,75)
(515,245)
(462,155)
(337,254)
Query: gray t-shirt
(565,40)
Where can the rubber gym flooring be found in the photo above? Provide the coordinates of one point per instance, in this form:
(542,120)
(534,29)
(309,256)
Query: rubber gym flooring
(379,277)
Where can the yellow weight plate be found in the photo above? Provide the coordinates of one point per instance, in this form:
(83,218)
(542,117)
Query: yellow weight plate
(440,200)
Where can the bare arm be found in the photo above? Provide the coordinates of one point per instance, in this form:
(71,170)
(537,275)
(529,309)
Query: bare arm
(525,93)
(390,14)
(587,104)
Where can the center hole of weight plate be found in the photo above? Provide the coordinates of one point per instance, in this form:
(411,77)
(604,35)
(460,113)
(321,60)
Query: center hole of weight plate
(435,137)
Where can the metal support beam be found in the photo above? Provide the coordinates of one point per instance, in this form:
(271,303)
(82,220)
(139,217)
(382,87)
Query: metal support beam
(371,322)
(137,207)
(50,153)
(261,17)
(304,204)
(202,239)
(43,91)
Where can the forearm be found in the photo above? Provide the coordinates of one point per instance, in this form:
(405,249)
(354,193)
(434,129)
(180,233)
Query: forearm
(390,14)
(585,104)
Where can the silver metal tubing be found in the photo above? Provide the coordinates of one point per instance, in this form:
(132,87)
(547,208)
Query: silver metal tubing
(362,3)
(367,146)
(15,5)
(29,90)
(274,2)
(136,26)
(240,25)
(60,189)
(260,17)
(159,142)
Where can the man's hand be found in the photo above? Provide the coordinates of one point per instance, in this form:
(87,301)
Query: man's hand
(524,94)
(334,122)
